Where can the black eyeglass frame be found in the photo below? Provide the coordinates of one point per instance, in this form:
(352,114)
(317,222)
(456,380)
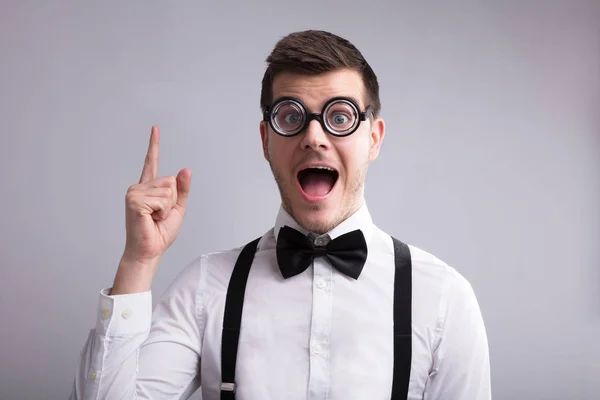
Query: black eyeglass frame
(361,116)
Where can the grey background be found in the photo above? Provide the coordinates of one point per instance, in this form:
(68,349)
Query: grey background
(491,161)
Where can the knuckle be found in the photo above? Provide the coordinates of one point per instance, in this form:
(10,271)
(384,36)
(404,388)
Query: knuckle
(163,182)
(130,196)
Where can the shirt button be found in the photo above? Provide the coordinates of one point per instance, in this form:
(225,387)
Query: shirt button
(93,375)
(321,284)
(322,241)
(105,314)
(316,349)
(126,314)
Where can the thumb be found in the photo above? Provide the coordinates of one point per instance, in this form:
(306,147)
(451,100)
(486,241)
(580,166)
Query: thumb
(184,183)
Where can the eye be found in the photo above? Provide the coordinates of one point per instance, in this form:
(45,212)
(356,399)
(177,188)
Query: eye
(288,117)
(292,118)
(340,119)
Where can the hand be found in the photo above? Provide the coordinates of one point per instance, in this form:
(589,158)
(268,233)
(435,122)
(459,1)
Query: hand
(155,208)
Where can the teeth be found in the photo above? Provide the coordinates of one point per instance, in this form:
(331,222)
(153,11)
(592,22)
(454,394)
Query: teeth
(323,167)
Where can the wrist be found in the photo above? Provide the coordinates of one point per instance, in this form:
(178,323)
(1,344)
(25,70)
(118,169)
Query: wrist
(134,276)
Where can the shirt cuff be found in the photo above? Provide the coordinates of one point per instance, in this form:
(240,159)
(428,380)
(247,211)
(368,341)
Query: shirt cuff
(124,314)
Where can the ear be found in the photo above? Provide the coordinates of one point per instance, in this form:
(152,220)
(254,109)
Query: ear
(264,138)
(377,134)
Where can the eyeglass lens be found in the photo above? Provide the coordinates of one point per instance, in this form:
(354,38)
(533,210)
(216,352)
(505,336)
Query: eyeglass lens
(339,117)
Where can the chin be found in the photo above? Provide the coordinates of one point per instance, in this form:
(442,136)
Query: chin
(318,218)
(318,224)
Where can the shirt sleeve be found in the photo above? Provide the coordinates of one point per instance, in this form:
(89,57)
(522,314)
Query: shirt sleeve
(461,367)
(135,352)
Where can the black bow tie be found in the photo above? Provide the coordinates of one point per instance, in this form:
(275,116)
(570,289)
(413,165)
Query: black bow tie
(295,252)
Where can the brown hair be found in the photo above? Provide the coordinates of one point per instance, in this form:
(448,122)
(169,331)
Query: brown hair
(313,52)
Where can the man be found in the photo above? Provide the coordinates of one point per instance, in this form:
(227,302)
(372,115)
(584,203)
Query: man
(312,323)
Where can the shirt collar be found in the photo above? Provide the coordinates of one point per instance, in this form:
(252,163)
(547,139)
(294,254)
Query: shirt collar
(361,219)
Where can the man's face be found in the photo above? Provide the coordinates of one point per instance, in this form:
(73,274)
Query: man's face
(319,200)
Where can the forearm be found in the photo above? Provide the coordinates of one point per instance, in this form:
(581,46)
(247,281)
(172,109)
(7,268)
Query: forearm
(109,359)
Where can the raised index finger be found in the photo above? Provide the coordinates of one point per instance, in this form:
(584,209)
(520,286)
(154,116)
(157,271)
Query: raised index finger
(151,163)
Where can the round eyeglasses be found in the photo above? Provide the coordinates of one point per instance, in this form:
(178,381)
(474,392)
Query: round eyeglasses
(340,116)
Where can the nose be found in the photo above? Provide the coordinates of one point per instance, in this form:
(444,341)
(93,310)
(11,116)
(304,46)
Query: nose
(314,137)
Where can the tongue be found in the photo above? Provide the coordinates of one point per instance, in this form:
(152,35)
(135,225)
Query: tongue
(317,184)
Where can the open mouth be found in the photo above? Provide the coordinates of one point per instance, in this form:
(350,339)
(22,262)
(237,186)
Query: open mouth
(317,181)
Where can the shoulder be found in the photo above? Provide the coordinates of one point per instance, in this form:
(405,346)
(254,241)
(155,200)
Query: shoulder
(452,279)
(224,258)
(427,268)
(214,268)
(431,266)
(436,282)
(440,285)
(435,273)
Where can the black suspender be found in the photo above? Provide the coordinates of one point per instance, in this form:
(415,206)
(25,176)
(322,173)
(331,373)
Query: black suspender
(232,318)
(402,320)
(234,304)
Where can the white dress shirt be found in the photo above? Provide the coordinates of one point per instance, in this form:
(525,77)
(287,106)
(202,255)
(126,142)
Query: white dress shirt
(318,335)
